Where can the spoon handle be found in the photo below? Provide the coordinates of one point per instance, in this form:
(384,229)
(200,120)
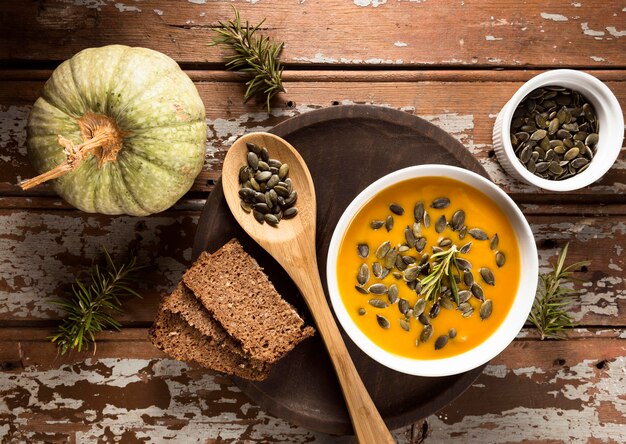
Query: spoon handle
(368,425)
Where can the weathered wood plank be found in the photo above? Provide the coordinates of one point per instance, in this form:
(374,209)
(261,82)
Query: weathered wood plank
(533,391)
(43,251)
(466,109)
(357,32)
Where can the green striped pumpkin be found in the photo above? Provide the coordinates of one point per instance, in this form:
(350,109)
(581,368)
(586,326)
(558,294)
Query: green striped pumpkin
(141,118)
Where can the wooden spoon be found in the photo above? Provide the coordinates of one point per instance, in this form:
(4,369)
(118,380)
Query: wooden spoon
(292,244)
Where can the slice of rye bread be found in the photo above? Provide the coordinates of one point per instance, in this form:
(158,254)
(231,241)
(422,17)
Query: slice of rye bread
(183,302)
(181,341)
(233,288)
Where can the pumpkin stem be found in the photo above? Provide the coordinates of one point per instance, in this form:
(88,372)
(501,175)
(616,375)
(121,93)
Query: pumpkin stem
(101,138)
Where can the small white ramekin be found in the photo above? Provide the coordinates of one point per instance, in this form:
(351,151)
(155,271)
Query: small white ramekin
(515,318)
(611,131)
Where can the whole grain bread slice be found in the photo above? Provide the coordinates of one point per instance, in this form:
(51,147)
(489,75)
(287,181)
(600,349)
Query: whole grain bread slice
(181,341)
(183,302)
(231,285)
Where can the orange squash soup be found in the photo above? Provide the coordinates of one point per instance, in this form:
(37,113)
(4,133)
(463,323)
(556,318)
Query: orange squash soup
(415,287)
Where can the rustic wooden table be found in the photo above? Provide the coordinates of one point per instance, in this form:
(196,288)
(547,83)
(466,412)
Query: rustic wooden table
(452,62)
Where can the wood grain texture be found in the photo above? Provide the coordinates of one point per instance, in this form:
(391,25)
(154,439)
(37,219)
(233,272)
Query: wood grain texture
(463,107)
(353,32)
(562,392)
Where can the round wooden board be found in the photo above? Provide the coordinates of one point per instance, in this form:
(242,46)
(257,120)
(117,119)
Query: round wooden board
(346,148)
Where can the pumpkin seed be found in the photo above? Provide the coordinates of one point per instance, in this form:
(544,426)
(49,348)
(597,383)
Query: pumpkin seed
(468,278)
(465,248)
(245,206)
(263,176)
(392,293)
(419,307)
(377,269)
(440,203)
(487,276)
(363,250)
(408,260)
(404,324)
(418,211)
(253,161)
(378,289)
(500,259)
(463,264)
(417,230)
(446,303)
(411,273)
(426,219)
(290,212)
(376,224)
(452,333)
(271,219)
(478,234)
(477,291)
(382,321)
(445,242)
(462,233)
(362,312)
(396,209)
(423,319)
(378,303)
(403,306)
(427,332)
(403,248)
(409,237)
(384,273)
(254,148)
(389,223)
(464,296)
(390,258)
(363,275)
(458,219)
(263,166)
(485,309)
(441,342)
(440,225)
(260,217)
(383,249)
(361,289)
(420,244)
(434,310)
(494,242)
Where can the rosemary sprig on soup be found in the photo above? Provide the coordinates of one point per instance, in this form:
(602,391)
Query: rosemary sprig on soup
(429,268)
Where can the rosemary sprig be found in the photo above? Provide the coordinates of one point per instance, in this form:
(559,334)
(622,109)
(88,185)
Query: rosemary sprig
(254,55)
(549,312)
(90,308)
(443,264)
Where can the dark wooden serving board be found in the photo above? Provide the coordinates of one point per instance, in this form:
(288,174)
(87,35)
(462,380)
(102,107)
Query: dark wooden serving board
(346,149)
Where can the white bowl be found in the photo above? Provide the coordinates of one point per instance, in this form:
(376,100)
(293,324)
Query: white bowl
(611,131)
(513,321)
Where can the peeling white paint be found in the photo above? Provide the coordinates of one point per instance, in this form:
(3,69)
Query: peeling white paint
(126,8)
(614,32)
(491,38)
(13,121)
(528,371)
(400,44)
(372,3)
(198,2)
(554,17)
(588,31)
(498,371)
(576,4)
(597,59)
(158,11)
(320,58)
(32,246)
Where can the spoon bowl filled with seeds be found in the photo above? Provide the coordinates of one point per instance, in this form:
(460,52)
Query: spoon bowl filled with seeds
(561,131)
(432,270)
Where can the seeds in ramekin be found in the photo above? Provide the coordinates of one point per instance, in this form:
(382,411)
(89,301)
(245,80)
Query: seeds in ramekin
(550,128)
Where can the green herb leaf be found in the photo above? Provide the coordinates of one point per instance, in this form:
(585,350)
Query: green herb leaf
(88,308)
(442,266)
(549,312)
(254,55)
